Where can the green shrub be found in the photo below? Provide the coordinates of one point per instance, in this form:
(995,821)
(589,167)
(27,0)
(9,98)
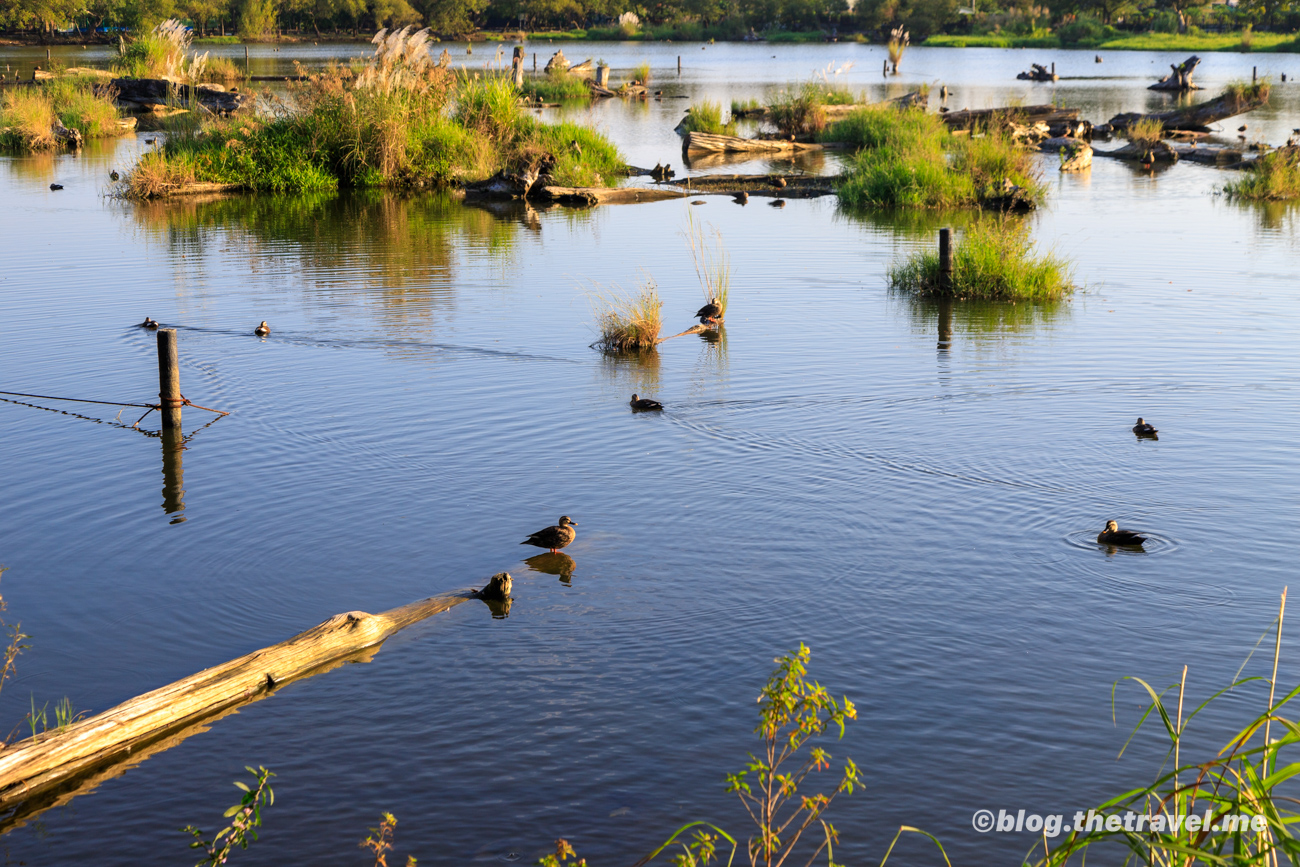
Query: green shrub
(1274,177)
(909,159)
(555,86)
(27,114)
(1084,30)
(994,260)
(799,111)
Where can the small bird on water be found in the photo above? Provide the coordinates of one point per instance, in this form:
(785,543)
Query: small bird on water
(262,330)
(1143,429)
(1113,535)
(777,203)
(113,175)
(149,323)
(554,538)
(741,198)
(56,186)
(709,312)
(644,403)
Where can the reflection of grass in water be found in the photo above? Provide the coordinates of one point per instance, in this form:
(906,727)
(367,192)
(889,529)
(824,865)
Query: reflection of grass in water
(979,318)
(404,246)
(635,372)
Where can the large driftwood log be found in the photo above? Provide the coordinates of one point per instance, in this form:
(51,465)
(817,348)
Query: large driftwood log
(1076,155)
(609,195)
(977,117)
(707,142)
(1180,79)
(149,92)
(37,765)
(1198,118)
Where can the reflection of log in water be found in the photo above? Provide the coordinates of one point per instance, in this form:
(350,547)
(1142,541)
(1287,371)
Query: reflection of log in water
(173,449)
(945,324)
(53,767)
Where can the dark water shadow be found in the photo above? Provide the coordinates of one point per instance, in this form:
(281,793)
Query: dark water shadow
(950,319)
(633,372)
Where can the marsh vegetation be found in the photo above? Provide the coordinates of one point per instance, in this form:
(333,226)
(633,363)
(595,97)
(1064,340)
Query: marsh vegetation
(29,115)
(995,259)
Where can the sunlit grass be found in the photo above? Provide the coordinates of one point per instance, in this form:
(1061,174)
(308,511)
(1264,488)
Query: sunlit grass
(1273,177)
(27,114)
(993,260)
(706,116)
(628,323)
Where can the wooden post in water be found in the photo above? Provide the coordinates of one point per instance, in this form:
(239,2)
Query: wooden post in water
(517,67)
(945,259)
(534,61)
(47,57)
(602,76)
(1254,72)
(169,380)
(679,64)
(246,71)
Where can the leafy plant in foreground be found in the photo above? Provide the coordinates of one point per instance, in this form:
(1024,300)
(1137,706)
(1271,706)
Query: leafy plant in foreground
(793,710)
(380,841)
(1235,813)
(247,819)
(563,852)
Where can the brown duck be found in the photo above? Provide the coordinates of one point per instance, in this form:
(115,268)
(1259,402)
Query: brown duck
(643,403)
(149,323)
(262,330)
(1113,535)
(709,312)
(554,538)
(1143,429)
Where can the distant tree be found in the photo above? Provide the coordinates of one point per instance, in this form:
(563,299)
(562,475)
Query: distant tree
(200,12)
(920,17)
(1266,11)
(1181,8)
(1110,10)
(257,17)
(453,16)
(393,13)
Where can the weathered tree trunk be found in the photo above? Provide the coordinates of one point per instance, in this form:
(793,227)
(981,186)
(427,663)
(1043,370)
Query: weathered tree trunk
(39,764)
(703,141)
(973,118)
(1037,72)
(148,92)
(1076,155)
(1180,79)
(69,138)
(1197,118)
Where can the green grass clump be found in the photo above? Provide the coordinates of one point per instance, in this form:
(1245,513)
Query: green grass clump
(160,53)
(27,114)
(1274,177)
(799,111)
(740,107)
(629,323)
(555,86)
(706,117)
(995,260)
(909,159)
(222,69)
(400,121)
(641,73)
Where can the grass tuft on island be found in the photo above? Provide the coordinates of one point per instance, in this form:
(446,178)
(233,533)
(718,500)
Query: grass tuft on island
(555,86)
(995,260)
(401,121)
(909,159)
(1274,177)
(706,117)
(27,114)
(629,323)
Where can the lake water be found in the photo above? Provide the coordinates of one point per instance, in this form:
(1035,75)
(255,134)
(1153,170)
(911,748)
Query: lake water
(919,514)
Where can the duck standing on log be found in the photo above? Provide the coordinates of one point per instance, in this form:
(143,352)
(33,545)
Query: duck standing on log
(554,538)
(709,314)
(1113,535)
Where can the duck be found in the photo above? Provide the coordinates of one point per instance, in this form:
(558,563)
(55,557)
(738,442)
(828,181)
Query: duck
(1113,535)
(113,175)
(709,312)
(554,538)
(149,323)
(777,203)
(741,198)
(262,330)
(698,202)
(1241,128)
(56,186)
(1143,429)
(644,403)
(779,183)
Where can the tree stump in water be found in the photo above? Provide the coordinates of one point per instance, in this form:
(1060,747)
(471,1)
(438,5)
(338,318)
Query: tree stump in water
(1180,79)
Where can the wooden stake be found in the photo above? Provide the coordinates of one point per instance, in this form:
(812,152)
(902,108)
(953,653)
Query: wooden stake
(945,259)
(245,58)
(169,380)
(602,76)
(1254,71)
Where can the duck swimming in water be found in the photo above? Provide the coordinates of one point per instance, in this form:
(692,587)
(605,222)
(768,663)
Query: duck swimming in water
(1143,429)
(644,403)
(709,312)
(149,323)
(262,330)
(1113,535)
(554,538)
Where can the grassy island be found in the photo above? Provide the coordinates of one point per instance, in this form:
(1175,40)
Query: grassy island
(995,260)
(29,115)
(400,121)
(908,158)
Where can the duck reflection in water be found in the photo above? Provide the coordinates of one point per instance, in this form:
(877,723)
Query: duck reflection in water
(558,563)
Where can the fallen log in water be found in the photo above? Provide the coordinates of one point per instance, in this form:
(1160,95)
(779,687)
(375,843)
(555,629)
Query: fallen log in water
(978,117)
(55,759)
(1223,157)
(1198,118)
(1075,155)
(609,195)
(779,186)
(1038,72)
(703,142)
(149,92)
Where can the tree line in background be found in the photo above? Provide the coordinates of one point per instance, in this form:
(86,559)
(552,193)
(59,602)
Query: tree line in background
(1073,22)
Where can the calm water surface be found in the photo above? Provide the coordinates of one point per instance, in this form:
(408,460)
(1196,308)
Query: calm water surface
(919,514)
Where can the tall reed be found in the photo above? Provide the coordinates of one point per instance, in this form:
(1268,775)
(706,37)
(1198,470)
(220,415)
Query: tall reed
(712,263)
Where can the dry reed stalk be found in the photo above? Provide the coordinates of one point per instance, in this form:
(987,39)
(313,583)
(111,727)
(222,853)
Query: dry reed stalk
(712,264)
